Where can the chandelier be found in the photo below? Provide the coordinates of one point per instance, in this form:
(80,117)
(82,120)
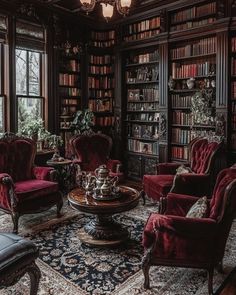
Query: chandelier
(122,6)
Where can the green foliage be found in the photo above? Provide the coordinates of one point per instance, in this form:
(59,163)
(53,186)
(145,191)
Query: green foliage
(83,121)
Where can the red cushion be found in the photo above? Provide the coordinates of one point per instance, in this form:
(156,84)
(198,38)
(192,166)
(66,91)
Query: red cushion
(34,188)
(201,153)
(157,186)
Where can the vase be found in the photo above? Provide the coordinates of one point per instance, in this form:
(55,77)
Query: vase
(191,83)
(171,83)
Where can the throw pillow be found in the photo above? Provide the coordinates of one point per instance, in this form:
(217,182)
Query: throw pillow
(183,169)
(199,209)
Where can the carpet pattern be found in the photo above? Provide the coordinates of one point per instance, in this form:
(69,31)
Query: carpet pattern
(70,268)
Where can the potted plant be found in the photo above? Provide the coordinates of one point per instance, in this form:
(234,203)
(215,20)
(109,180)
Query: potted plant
(32,128)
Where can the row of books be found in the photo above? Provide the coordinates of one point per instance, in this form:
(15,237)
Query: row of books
(103,44)
(181,101)
(147,106)
(181,136)
(142,131)
(193,24)
(194,12)
(182,118)
(143,58)
(138,146)
(71,65)
(203,46)
(103,35)
(145,25)
(234,121)
(233,66)
(101,59)
(100,70)
(101,82)
(100,93)
(192,70)
(140,36)
(68,79)
(143,94)
(233,44)
(99,105)
(70,101)
(104,121)
(233,141)
(179,152)
(143,74)
(143,117)
(64,92)
(233,90)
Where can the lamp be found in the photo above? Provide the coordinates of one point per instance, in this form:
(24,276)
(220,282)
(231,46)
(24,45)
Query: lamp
(122,6)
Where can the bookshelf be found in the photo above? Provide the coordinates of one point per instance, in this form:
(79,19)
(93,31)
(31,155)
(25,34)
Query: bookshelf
(101,79)
(202,14)
(142,111)
(233,92)
(193,72)
(69,84)
(142,30)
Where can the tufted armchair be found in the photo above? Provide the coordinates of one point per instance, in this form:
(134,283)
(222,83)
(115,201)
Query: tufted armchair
(174,240)
(23,187)
(91,151)
(203,155)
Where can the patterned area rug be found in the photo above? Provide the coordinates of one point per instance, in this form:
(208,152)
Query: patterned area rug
(70,268)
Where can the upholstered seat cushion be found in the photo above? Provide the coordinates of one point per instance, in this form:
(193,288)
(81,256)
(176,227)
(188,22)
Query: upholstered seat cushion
(14,248)
(34,188)
(157,186)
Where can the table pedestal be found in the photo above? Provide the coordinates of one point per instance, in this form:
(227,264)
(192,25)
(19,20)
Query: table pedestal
(103,231)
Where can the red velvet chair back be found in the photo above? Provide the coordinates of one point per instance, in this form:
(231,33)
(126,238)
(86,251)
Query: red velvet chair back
(91,150)
(17,157)
(202,154)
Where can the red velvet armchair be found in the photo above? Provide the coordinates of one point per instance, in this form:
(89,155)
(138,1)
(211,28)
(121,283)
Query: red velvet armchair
(203,155)
(174,240)
(91,151)
(23,187)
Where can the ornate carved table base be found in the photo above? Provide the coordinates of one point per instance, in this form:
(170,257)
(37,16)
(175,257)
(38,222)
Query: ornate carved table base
(103,231)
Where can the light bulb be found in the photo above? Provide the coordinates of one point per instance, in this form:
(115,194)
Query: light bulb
(125,3)
(107,10)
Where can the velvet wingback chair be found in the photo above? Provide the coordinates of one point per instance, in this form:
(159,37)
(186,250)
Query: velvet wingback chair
(91,151)
(23,187)
(202,155)
(175,240)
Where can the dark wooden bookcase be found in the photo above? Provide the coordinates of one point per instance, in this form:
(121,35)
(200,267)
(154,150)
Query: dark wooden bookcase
(101,81)
(232,104)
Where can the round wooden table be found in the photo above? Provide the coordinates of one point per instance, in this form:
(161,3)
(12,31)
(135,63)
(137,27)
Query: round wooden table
(102,230)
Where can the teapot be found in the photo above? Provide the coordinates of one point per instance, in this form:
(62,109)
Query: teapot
(101,173)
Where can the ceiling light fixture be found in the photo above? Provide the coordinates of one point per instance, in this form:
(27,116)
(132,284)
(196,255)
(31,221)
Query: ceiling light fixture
(122,6)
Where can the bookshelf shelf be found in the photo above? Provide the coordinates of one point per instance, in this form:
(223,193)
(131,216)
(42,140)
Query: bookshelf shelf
(141,64)
(142,82)
(194,56)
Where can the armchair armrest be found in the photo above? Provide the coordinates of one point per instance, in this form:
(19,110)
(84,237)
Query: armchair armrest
(7,192)
(179,205)
(114,165)
(192,184)
(168,168)
(44,173)
(196,228)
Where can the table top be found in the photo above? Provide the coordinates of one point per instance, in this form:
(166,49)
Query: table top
(59,163)
(128,200)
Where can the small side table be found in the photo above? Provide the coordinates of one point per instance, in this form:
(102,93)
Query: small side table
(63,169)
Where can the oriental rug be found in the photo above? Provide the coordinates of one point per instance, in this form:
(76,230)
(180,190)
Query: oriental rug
(70,268)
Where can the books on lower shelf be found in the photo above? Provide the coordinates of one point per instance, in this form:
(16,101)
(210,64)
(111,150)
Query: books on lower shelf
(143,94)
(182,118)
(179,153)
(101,105)
(63,92)
(103,39)
(183,101)
(143,58)
(181,136)
(206,68)
(101,82)
(193,24)
(68,79)
(138,146)
(100,93)
(104,121)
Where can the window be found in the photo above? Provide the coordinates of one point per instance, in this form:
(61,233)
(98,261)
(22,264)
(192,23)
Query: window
(30,103)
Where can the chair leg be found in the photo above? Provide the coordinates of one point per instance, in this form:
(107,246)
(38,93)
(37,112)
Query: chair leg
(146,266)
(210,280)
(220,267)
(15,219)
(35,274)
(142,195)
(59,206)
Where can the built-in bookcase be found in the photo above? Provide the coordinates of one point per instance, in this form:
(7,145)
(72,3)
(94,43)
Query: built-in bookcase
(191,60)
(101,79)
(69,81)
(202,14)
(233,92)
(142,111)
